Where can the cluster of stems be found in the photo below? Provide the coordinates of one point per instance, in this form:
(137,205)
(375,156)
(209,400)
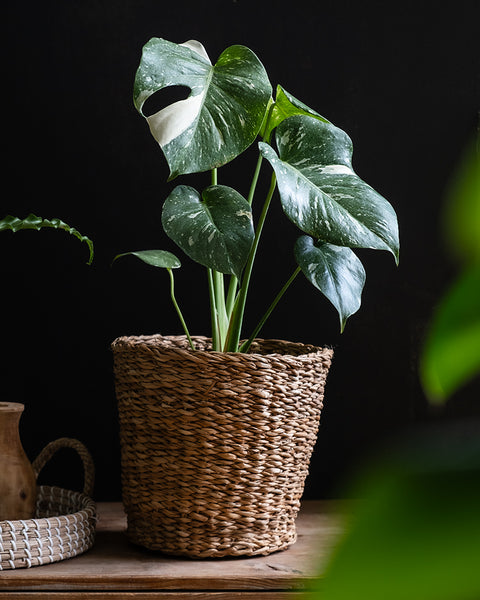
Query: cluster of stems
(227,303)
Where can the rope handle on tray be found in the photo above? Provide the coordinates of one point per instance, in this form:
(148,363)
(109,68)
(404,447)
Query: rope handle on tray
(88,465)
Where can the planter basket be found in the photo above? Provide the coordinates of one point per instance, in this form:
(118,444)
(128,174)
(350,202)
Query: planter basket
(216,446)
(64,523)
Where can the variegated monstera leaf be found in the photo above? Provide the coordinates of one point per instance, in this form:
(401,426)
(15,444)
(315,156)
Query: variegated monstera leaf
(325,198)
(321,193)
(221,116)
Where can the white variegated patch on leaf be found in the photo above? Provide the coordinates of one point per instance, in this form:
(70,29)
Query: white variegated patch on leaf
(223,113)
(322,194)
(336,271)
(215,229)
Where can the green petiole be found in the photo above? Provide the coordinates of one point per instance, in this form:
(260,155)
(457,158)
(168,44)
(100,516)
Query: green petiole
(177,308)
(233,337)
(246,345)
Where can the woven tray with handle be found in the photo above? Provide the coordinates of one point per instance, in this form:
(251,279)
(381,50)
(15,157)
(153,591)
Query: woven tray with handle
(64,523)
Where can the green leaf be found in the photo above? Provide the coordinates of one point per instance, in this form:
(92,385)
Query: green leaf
(33,222)
(321,193)
(215,230)
(451,355)
(414,531)
(155,258)
(461,214)
(223,113)
(335,271)
(285,106)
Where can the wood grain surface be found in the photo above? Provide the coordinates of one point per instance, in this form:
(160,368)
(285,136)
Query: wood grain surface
(115,568)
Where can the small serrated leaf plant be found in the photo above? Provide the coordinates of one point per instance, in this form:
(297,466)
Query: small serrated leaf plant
(229,107)
(17,479)
(11,223)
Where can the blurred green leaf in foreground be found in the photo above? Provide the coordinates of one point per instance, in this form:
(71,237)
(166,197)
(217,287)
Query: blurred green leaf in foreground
(451,355)
(415,533)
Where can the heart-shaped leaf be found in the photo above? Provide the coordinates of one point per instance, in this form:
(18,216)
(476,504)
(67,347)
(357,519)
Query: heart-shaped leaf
(223,113)
(155,258)
(285,106)
(335,271)
(215,230)
(322,194)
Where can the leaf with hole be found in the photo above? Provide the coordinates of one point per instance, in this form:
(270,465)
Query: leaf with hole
(335,271)
(223,113)
(322,194)
(215,230)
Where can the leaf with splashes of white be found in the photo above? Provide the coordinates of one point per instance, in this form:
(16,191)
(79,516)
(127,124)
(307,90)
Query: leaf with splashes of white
(214,229)
(335,271)
(223,113)
(321,193)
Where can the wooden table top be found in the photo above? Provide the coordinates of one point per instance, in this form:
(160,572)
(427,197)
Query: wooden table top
(115,568)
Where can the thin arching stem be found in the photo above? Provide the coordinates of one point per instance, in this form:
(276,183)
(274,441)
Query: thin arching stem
(177,308)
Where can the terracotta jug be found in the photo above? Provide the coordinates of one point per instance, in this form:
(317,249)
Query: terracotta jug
(17,479)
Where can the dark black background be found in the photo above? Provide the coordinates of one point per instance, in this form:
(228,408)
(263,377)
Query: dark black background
(401,78)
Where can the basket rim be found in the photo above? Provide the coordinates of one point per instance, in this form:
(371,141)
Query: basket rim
(86,509)
(26,543)
(153,342)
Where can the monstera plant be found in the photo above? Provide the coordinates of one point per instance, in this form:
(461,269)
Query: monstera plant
(229,106)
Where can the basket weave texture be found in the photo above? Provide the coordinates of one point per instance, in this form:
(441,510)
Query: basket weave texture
(64,523)
(216,446)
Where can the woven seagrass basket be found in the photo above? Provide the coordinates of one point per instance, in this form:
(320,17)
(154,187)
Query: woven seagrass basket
(215,447)
(64,523)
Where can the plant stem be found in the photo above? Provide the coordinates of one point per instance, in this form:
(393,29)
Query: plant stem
(213,310)
(177,308)
(231,295)
(217,296)
(232,290)
(222,319)
(214,177)
(233,286)
(233,336)
(246,345)
(256,174)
